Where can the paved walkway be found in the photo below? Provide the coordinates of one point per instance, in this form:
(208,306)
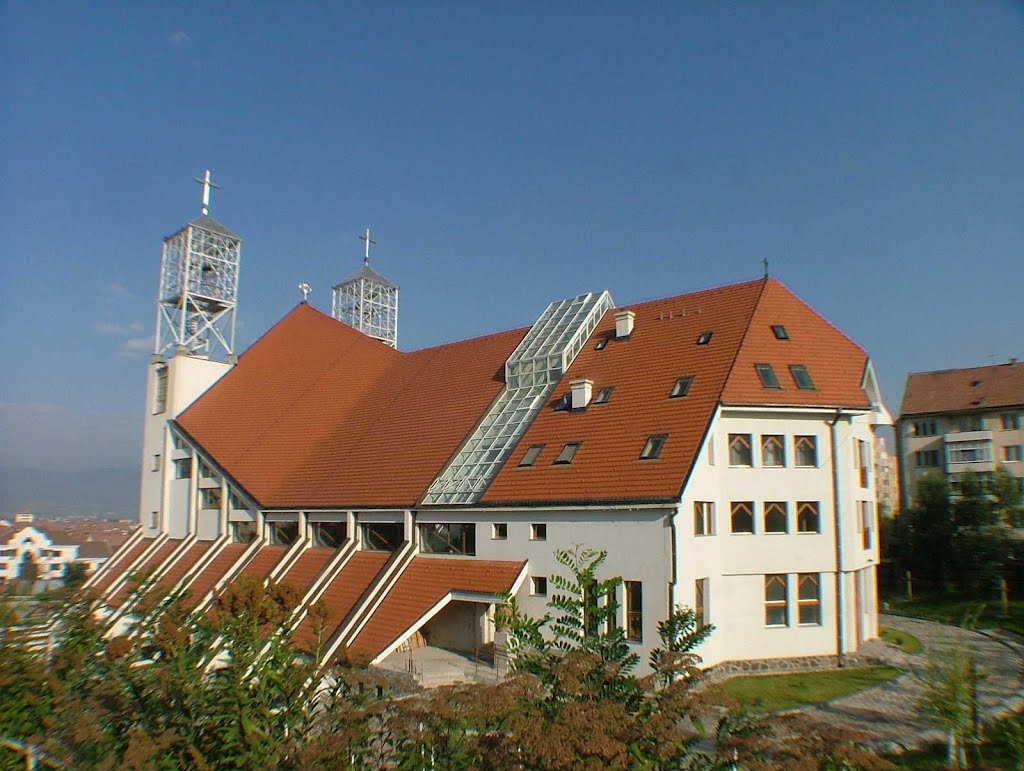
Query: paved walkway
(889,712)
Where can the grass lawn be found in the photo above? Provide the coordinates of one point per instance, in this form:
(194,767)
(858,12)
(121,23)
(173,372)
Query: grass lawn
(766,693)
(905,641)
(952,609)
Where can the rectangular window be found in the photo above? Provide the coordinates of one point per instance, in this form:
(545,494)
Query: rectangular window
(808,517)
(567,454)
(236,503)
(178,441)
(776,600)
(806,450)
(741,516)
(499,531)
(383,536)
(780,332)
(154,517)
(611,603)
(925,428)
(767,375)
(531,455)
(866,523)
(155,465)
(808,594)
(538,586)
(1013,453)
(862,461)
(802,377)
(243,532)
(538,532)
(160,391)
(711,449)
(773,451)
(183,468)
(776,517)
(681,388)
(969,452)
(926,458)
(652,449)
(210,497)
(739,450)
(205,471)
(283,533)
(328,535)
(703,518)
(634,610)
(1010,421)
(700,601)
(972,423)
(604,395)
(448,538)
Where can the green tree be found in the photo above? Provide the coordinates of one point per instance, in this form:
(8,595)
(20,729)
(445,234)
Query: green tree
(950,696)
(75,574)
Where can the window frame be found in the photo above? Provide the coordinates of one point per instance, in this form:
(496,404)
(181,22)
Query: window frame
(815,507)
(704,338)
(804,603)
(460,538)
(653,447)
(1017,450)
(805,439)
(775,508)
(700,601)
(604,395)
(766,374)
(772,581)
(538,531)
(633,615)
(736,508)
(733,439)
(499,534)
(538,586)
(802,377)
(568,453)
(1010,421)
(162,376)
(681,388)
(530,460)
(703,518)
(780,441)
(780,332)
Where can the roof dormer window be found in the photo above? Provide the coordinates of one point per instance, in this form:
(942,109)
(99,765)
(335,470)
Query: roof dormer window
(681,387)
(704,338)
(802,377)
(567,454)
(767,374)
(652,450)
(780,332)
(604,395)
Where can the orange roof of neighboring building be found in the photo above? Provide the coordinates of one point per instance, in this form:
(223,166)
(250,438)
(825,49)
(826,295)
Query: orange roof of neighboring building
(421,586)
(958,390)
(316,414)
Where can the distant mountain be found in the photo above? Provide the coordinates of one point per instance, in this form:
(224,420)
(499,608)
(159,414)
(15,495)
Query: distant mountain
(69,493)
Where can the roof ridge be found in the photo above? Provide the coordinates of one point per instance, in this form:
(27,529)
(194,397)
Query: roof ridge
(964,369)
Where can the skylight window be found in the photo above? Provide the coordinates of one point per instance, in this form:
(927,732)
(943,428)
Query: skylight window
(780,332)
(652,450)
(601,344)
(681,387)
(767,374)
(604,395)
(567,454)
(531,455)
(802,377)
(704,338)
(564,403)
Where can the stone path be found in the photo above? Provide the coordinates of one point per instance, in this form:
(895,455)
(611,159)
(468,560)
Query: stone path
(889,712)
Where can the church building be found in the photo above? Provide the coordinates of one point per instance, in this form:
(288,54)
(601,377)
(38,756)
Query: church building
(718,444)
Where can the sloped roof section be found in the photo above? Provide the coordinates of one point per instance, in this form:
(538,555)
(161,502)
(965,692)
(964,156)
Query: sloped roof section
(955,390)
(318,414)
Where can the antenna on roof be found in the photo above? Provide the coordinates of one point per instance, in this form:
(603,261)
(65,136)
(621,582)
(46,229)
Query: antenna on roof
(207,184)
(366,255)
(765,262)
(305,288)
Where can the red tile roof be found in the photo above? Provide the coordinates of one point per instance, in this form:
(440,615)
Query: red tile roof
(212,573)
(955,390)
(421,586)
(154,561)
(303,572)
(186,561)
(263,561)
(119,563)
(342,595)
(316,413)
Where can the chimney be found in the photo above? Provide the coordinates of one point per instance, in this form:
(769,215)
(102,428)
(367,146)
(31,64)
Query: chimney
(581,393)
(624,324)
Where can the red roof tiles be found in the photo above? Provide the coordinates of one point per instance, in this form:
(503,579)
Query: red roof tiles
(954,390)
(342,595)
(120,563)
(304,571)
(263,561)
(186,561)
(421,586)
(154,561)
(212,573)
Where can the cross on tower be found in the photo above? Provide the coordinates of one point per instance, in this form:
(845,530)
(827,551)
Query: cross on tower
(366,255)
(305,288)
(765,263)
(207,184)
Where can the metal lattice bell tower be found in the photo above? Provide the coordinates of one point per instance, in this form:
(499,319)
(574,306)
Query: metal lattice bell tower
(367,301)
(199,287)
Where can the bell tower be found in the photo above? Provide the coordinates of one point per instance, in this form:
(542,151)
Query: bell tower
(367,301)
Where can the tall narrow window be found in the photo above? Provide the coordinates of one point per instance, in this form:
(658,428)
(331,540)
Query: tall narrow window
(776,517)
(700,601)
(767,375)
(567,454)
(742,516)
(802,377)
(531,455)
(160,391)
(808,519)
(154,517)
(867,522)
(634,610)
(862,460)
(155,466)
(773,450)
(703,518)
(681,387)
(652,450)
(1010,421)
(806,448)
(611,602)
(183,468)
(776,600)
(739,450)
(809,598)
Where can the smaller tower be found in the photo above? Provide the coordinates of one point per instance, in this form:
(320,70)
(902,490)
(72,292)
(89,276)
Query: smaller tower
(367,301)
(199,287)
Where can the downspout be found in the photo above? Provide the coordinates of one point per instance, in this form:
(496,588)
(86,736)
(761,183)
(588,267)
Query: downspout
(673,578)
(837,524)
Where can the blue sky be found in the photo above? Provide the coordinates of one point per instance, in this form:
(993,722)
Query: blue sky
(505,155)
